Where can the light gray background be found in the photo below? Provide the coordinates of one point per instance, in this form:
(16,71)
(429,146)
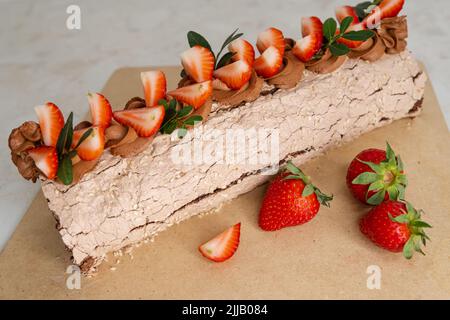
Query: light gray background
(41,60)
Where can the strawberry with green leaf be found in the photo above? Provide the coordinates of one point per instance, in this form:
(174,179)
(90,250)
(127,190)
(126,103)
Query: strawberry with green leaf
(291,199)
(201,64)
(176,118)
(396,226)
(376,175)
(340,40)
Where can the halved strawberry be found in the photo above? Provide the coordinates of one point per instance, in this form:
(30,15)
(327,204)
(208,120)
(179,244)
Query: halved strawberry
(235,74)
(198,62)
(223,246)
(51,121)
(146,121)
(93,146)
(101,111)
(306,48)
(155,87)
(269,63)
(271,37)
(346,11)
(46,159)
(350,43)
(312,25)
(312,41)
(194,95)
(219,85)
(243,51)
(386,9)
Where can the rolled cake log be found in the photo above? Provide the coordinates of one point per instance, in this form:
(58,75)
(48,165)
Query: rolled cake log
(126,200)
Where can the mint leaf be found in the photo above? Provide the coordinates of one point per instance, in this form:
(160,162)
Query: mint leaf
(84,137)
(192,120)
(361,35)
(184,112)
(345,24)
(339,49)
(329,29)
(65,137)
(196,39)
(225,59)
(65,172)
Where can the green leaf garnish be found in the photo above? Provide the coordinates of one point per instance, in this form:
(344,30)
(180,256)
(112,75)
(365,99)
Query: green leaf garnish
(329,28)
(361,35)
(85,135)
(65,172)
(65,137)
(339,49)
(196,39)
(226,58)
(345,24)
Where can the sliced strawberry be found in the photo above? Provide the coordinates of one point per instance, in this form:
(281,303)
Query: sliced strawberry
(346,11)
(312,25)
(51,121)
(223,246)
(46,159)
(93,146)
(271,37)
(269,63)
(219,85)
(146,121)
(350,43)
(198,62)
(243,51)
(235,74)
(386,9)
(155,87)
(312,41)
(306,48)
(194,95)
(101,111)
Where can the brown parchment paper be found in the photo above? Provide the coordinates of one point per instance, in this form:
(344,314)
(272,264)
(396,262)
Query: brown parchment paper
(324,259)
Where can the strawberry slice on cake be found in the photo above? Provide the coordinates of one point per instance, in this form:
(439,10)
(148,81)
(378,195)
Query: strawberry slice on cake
(51,122)
(92,147)
(155,87)
(194,95)
(243,50)
(198,63)
(145,121)
(271,37)
(269,63)
(101,111)
(46,160)
(312,41)
(235,75)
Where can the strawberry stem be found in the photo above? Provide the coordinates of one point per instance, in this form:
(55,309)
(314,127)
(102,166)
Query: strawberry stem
(297,174)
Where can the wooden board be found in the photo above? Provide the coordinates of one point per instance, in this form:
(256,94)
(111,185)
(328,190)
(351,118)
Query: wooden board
(326,258)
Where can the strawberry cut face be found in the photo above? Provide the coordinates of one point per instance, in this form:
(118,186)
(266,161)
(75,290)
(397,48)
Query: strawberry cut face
(145,121)
(91,148)
(269,63)
(223,246)
(155,87)
(194,95)
(243,50)
(235,75)
(46,160)
(198,62)
(271,37)
(101,111)
(51,122)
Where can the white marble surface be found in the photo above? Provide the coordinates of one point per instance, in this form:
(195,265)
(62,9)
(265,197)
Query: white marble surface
(41,60)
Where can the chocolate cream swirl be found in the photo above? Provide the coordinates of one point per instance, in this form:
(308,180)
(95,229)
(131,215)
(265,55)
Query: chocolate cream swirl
(327,63)
(394,32)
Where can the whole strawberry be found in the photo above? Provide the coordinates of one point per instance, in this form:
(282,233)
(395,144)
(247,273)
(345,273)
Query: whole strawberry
(395,226)
(376,175)
(291,200)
